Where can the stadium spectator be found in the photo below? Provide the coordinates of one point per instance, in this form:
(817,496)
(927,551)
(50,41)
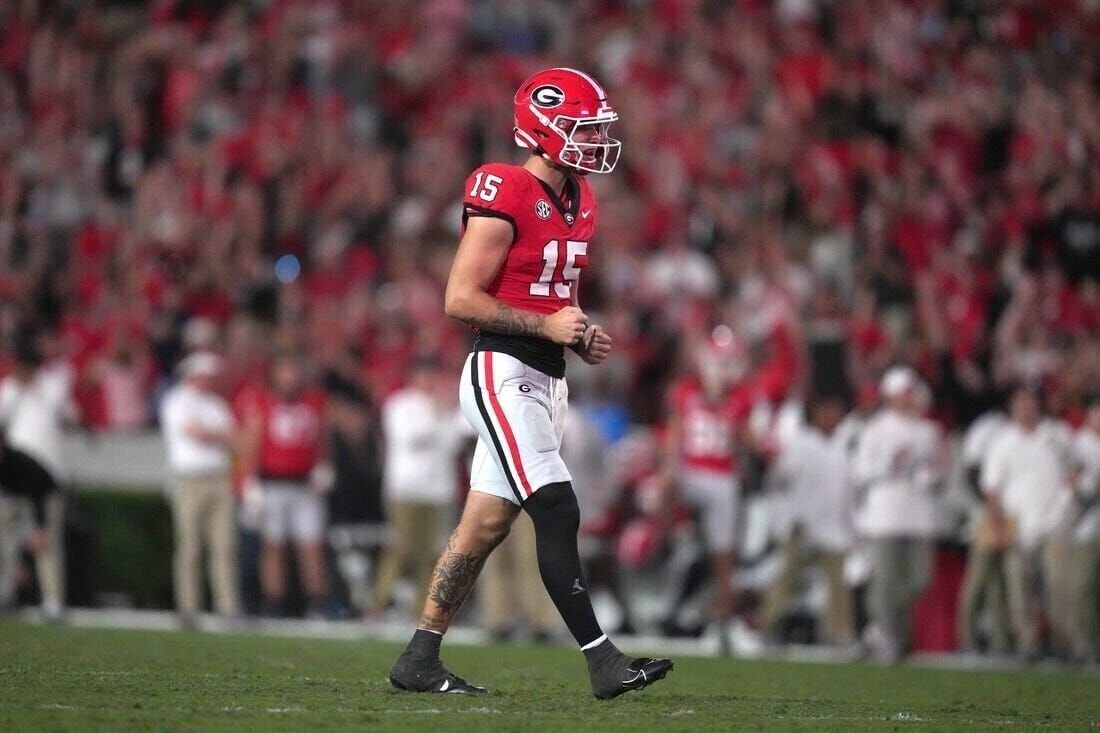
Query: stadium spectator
(814,470)
(984,582)
(34,405)
(423,432)
(896,468)
(200,436)
(1025,480)
(1085,526)
(937,162)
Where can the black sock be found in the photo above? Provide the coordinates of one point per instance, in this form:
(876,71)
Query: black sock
(425,643)
(556,516)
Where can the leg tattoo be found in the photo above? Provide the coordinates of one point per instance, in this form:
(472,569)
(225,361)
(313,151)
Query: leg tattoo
(454,576)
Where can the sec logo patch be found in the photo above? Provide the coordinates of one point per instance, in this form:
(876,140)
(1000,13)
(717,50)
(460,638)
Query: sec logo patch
(542,209)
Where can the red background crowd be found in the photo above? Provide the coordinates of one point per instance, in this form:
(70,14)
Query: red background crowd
(917,181)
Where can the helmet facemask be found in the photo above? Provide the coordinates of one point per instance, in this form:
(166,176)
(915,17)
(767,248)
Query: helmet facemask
(599,156)
(584,156)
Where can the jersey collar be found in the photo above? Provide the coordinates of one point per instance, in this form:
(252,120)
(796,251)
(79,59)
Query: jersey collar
(574,190)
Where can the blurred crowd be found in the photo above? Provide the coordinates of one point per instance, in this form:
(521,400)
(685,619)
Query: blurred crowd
(846,186)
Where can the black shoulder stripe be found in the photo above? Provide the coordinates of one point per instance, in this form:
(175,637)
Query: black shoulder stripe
(469,210)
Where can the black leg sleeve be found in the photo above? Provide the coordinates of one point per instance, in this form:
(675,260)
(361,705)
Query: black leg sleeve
(557,518)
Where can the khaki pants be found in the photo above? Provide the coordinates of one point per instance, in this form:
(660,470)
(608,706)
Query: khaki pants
(797,557)
(1084,583)
(510,584)
(984,588)
(901,568)
(1036,579)
(9,549)
(49,564)
(1059,578)
(203,510)
(413,548)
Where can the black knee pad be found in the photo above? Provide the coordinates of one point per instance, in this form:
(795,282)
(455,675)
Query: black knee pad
(554,505)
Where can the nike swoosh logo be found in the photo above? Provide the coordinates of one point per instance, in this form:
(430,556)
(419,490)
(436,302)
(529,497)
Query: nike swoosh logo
(584,214)
(446,685)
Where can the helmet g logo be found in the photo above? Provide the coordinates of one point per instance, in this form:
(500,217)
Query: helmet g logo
(547,95)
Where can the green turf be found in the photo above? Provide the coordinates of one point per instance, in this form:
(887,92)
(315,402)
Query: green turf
(82,679)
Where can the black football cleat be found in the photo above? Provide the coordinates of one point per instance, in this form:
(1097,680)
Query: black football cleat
(413,674)
(640,673)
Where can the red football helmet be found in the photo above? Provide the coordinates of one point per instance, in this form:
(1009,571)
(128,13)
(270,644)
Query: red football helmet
(553,106)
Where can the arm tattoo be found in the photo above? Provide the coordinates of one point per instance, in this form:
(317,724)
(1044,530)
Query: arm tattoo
(454,577)
(509,320)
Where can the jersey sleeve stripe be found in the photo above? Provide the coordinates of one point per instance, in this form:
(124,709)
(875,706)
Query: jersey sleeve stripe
(469,210)
(492,430)
(509,436)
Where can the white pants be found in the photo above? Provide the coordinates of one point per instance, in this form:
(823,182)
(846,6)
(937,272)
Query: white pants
(519,415)
(715,496)
(292,511)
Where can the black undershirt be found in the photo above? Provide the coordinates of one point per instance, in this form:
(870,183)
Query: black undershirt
(537,353)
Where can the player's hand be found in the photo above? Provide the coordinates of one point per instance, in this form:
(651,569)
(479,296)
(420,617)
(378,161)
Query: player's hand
(252,503)
(566,327)
(595,345)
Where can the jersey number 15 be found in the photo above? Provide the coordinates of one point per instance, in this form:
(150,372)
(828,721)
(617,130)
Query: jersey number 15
(563,281)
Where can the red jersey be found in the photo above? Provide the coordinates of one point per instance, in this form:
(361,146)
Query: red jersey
(708,429)
(549,249)
(293,434)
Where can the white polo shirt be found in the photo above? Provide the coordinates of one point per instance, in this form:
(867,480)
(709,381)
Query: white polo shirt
(421,443)
(815,471)
(1028,470)
(895,464)
(184,406)
(1086,444)
(32,414)
(980,436)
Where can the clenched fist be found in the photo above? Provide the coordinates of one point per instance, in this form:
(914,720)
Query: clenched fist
(566,326)
(595,346)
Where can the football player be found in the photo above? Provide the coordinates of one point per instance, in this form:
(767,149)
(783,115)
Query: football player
(526,233)
(706,412)
(286,477)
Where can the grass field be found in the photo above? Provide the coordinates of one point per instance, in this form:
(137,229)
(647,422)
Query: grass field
(55,678)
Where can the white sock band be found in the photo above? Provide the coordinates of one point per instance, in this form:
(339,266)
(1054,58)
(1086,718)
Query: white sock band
(594,644)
